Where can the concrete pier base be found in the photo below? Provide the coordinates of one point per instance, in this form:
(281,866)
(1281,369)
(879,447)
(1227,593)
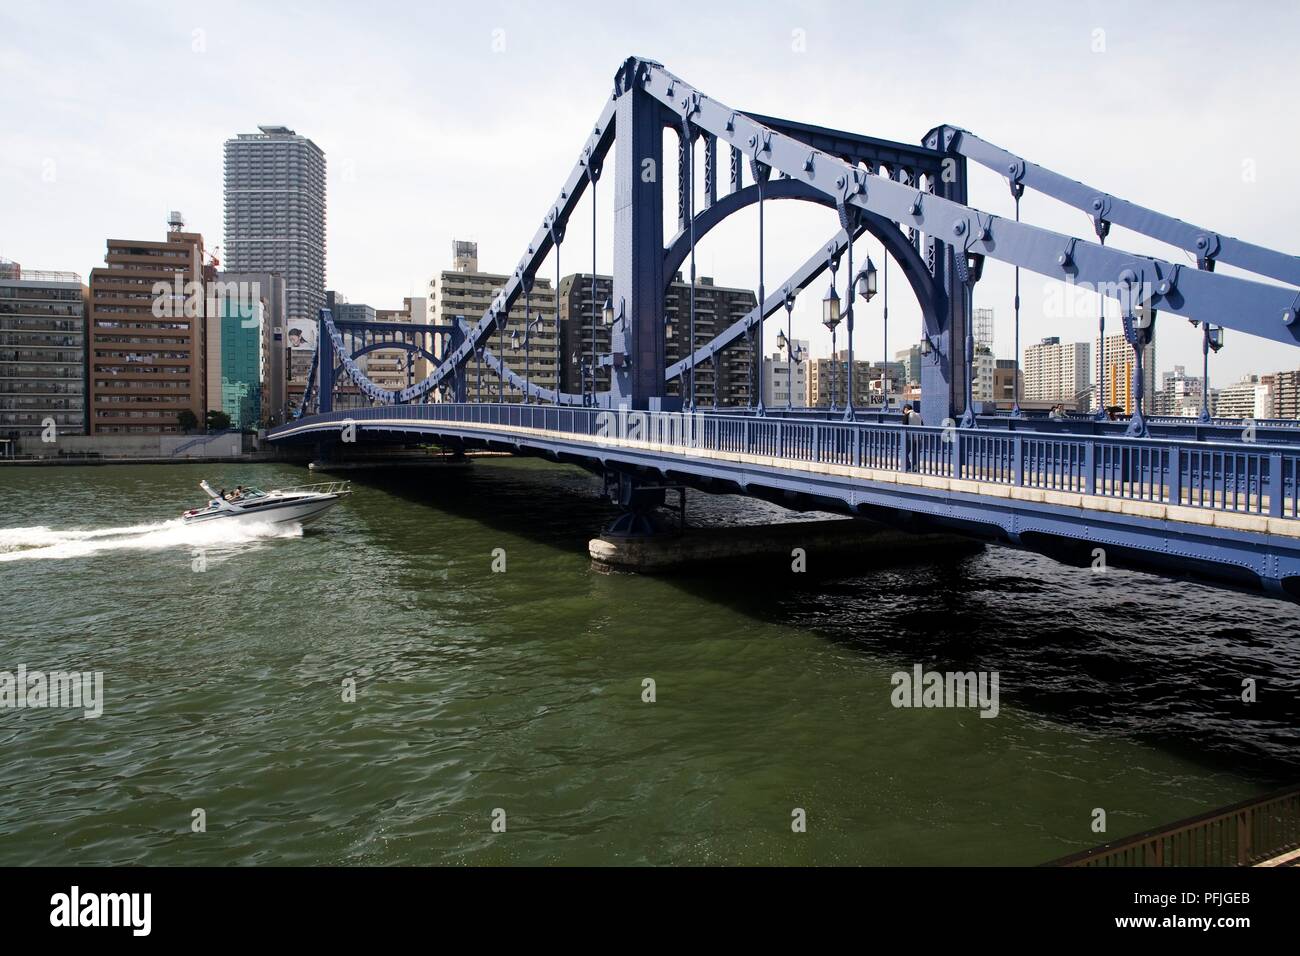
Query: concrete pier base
(849,541)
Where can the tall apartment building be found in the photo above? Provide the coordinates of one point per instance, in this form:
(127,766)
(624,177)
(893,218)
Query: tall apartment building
(275,222)
(731,384)
(145,351)
(1286,395)
(1114,373)
(785,380)
(245,349)
(1056,372)
(465,291)
(42,351)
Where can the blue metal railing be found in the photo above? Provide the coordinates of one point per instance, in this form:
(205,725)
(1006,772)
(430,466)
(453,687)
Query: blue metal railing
(1246,478)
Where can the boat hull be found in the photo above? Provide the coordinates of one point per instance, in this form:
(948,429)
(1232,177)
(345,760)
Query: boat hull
(289,512)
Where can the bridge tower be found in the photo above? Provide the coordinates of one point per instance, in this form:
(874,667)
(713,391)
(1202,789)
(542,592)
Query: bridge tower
(944,387)
(638,298)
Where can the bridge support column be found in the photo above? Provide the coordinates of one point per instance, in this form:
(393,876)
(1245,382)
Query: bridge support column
(638,299)
(455,339)
(943,376)
(324,368)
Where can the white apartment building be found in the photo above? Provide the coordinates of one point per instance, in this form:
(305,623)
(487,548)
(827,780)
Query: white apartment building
(780,373)
(1249,398)
(1055,371)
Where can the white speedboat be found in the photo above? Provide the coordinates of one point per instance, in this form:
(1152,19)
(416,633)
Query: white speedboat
(299,504)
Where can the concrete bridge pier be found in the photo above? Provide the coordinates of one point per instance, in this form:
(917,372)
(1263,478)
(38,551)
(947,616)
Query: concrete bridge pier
(640,501)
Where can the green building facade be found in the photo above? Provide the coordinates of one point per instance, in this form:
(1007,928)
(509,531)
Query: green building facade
(241,362)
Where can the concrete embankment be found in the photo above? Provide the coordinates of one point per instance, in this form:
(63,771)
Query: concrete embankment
(153,460)
(802,545)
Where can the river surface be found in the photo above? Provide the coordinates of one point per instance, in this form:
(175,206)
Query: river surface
(229,659)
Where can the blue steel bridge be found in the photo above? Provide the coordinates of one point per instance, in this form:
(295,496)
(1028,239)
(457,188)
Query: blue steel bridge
(1208,498)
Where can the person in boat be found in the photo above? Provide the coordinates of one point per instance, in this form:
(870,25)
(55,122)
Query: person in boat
(238,493)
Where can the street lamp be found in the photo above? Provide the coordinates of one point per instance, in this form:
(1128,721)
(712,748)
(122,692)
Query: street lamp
(785,341)
(1212,339)
(580,364)
(831,319)
(867,281)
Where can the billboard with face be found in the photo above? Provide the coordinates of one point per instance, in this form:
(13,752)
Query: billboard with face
(302,335)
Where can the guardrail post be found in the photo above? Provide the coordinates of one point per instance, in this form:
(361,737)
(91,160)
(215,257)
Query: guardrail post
(1090,468)
(1243,837)
(817,442)
(1017,449)
(1276,485)
(857,446)
(956,453)
(1176,475)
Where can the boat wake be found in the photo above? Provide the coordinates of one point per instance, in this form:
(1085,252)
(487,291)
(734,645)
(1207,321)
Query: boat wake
(40,543)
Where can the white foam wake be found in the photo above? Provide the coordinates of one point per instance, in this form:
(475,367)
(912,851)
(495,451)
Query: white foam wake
(40,543)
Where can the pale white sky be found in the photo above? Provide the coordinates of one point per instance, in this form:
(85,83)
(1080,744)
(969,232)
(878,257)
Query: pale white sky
(115,113)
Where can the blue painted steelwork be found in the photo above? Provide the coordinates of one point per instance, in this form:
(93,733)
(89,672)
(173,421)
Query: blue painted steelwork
(350,340)
(913,199)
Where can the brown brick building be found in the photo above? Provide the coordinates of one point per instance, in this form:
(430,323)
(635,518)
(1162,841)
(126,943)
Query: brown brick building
(145,350)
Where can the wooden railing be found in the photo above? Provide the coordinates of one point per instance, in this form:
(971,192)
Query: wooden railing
(1243,834)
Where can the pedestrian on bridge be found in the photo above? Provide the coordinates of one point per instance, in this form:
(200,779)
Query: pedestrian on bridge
(910,417)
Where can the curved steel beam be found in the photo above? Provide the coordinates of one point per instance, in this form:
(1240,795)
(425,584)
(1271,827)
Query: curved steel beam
(551,395)
(408,346)
(890,236)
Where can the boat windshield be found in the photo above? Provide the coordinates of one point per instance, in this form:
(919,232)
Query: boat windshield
(254,493)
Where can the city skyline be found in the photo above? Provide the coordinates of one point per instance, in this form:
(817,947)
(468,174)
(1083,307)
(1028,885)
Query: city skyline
(419,157)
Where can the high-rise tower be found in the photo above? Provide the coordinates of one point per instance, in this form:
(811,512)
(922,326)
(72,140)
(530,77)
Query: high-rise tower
(275,223)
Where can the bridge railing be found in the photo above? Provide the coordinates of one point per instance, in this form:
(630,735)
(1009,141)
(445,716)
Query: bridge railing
(1244,834)
(1247,478)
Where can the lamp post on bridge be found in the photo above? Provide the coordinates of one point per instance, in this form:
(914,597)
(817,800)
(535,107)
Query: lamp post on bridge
(866,283)
(831,319)
(580,362)
(786,342)
(794,358)
(1211,339)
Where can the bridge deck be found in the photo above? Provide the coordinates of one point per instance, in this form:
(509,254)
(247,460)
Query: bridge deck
(1229,504)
